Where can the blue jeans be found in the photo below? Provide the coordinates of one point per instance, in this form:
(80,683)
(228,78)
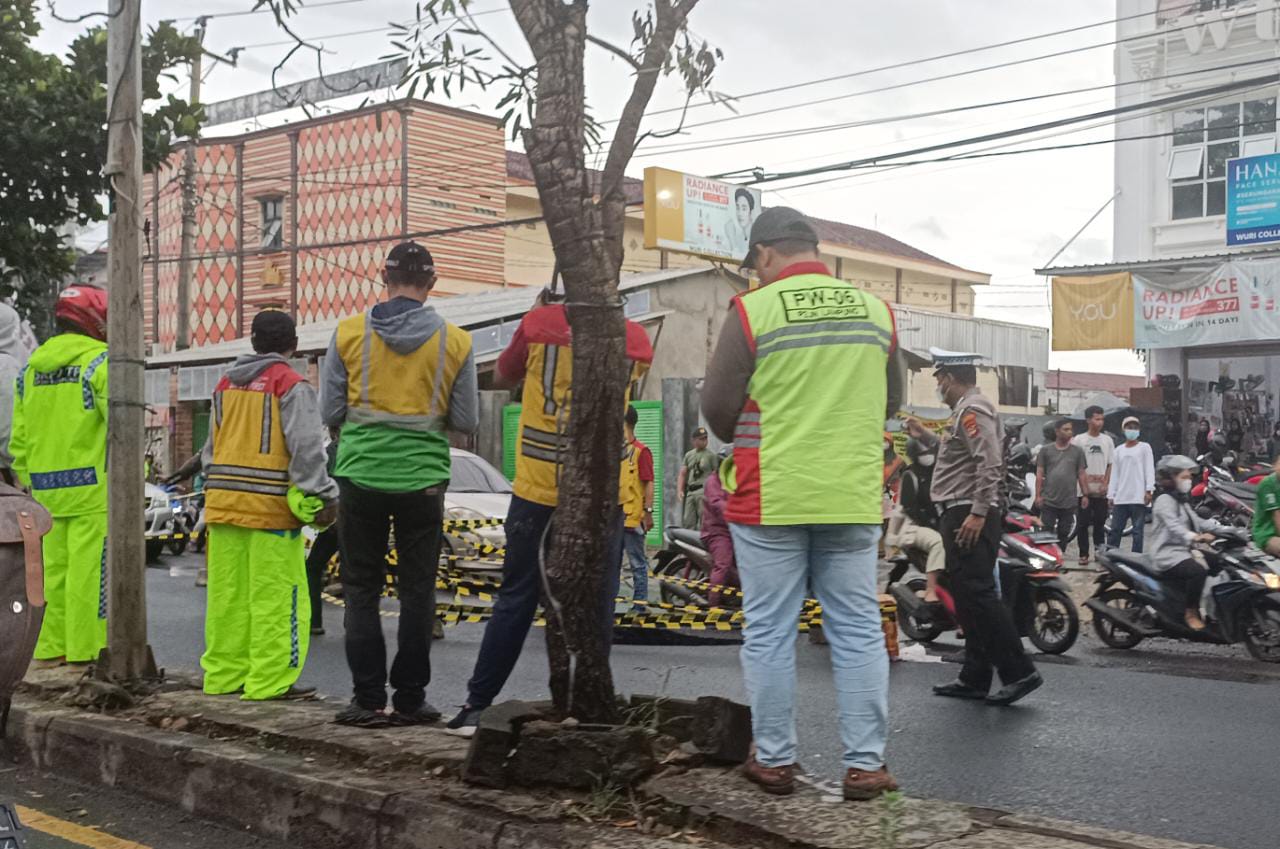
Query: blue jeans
(777,563)
(633,551)
(504,635)
(1122,513)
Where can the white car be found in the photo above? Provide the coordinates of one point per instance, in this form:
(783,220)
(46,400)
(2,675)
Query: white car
(477,491)
(160,519)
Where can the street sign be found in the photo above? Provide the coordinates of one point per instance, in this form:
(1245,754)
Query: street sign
(696,215)
(1253,200)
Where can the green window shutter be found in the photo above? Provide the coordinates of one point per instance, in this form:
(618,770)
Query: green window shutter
(649,430)
(510,439)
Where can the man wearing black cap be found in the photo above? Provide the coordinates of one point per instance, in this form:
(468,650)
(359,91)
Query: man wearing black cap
(396,379)
(802,380)
(265,479)
(698,465)
(966,481)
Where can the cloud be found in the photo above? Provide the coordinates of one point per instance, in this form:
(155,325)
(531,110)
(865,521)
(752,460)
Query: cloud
(930,227)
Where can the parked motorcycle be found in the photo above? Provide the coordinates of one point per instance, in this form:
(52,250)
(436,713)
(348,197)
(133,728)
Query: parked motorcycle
(1242,603)
(1229,502)
(685,558)
(1028,580)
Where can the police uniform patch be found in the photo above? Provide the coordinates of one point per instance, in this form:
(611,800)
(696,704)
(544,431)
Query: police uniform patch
(969,421)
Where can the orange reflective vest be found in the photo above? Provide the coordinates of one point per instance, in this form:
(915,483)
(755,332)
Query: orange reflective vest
(248,482)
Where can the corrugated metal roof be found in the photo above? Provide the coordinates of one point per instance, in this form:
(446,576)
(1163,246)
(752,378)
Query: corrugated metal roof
(1176,263)
(470,311)
(1003,343)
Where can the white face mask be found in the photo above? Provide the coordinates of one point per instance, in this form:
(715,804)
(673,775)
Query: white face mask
(927,460)
(1184,486)
(1132,435)
(942,395)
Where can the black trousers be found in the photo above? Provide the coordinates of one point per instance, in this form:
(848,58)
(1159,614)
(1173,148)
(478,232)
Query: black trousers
(365,521)
(1092,519)
(322,551)
(1060,521)
(991,642)
(1190,576)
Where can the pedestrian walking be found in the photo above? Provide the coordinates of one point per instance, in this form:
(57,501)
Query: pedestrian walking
(803,378)
(13,359)
(396,379)
(1133,482)
(59,447)
(1060,477)
(540,354)
(698,465)
(716,536)
(1099,451)
(265,479)
(965,488)
(636,487)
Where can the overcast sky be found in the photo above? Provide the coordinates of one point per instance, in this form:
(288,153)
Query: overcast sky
(1004,215)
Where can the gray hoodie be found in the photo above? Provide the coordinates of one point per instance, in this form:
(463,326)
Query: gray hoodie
(403,333)
(300,421)
(13,359)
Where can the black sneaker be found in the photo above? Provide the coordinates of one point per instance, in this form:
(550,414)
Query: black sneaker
(317,630)
(424,715)
(1010,693)
(362,717)
(465,723)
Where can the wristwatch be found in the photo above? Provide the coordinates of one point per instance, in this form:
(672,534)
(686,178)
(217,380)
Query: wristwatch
(648,509)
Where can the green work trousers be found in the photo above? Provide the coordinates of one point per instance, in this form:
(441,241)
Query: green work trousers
(693,510)
(255,630)
(75,587)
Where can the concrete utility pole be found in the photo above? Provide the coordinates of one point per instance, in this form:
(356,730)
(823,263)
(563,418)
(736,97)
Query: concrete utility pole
(127,656)
(189,208)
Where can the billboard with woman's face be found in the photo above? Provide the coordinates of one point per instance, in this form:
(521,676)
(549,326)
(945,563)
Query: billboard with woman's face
(697,215)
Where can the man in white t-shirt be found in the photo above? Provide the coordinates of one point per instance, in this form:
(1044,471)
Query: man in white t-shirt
(1133,479)
(1098,449)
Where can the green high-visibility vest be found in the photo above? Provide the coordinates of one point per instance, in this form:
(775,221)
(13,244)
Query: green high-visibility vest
(59,441)
(809,444)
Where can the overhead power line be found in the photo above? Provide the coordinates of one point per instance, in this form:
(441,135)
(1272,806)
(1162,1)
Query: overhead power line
(731,141)
(926,59)
(1212,91)
(261,11)
(948,76)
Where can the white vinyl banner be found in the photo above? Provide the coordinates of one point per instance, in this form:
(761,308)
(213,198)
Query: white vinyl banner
(1233,303)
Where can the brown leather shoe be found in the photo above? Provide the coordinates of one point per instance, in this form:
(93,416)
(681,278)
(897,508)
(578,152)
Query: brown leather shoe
(778,780)
(860,785)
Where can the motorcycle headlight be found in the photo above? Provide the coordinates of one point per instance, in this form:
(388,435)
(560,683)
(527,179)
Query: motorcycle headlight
(1272,580)
(159,502)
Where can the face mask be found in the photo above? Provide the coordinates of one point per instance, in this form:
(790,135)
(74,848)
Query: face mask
(927,460)
(942,395)
(1184,486)
(1132,435)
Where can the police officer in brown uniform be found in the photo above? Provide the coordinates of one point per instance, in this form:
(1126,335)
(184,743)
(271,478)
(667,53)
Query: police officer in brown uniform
(965,491)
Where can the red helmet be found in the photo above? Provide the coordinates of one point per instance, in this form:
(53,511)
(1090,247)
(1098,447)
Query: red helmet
(86,307)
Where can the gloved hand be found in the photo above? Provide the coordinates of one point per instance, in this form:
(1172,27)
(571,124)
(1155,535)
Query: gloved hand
(311,509)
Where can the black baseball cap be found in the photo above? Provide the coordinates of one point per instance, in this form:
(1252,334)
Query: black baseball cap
(410,257)
(700,432)
(777,224)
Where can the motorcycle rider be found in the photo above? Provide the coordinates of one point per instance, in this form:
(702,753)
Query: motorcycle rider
(913,525)
(1175,527)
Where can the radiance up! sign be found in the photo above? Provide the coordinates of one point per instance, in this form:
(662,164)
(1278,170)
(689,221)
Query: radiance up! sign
(697,215)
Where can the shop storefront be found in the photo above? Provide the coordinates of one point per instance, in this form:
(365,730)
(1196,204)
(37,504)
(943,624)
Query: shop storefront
(1209,328)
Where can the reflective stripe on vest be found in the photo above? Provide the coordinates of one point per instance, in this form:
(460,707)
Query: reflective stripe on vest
(247,482)
(408,391)
(808,445)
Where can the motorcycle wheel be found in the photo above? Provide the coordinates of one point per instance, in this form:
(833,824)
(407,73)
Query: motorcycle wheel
(1055,623)
(155,547)
(915,629)
(1262,638)
(680,567)
(1114,635)
(179,545)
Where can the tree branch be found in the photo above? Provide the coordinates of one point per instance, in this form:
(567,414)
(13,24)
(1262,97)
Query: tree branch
(615,50)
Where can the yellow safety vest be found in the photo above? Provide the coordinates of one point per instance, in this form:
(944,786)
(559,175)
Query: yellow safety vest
(248,482)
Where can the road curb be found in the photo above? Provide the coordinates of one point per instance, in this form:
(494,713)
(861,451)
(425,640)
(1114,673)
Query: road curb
(284,796)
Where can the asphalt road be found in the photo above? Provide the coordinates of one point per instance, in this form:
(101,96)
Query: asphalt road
(1170,740)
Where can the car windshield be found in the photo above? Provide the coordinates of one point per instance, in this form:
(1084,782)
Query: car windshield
(472,474)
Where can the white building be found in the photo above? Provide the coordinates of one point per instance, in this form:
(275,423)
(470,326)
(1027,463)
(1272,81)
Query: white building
(1171,170)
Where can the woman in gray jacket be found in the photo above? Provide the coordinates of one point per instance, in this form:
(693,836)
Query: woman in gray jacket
(1175,527)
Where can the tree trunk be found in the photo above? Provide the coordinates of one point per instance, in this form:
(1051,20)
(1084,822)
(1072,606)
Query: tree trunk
(587,237)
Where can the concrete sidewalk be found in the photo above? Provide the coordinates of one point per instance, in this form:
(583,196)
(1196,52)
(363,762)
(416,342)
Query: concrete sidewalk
(283,770)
